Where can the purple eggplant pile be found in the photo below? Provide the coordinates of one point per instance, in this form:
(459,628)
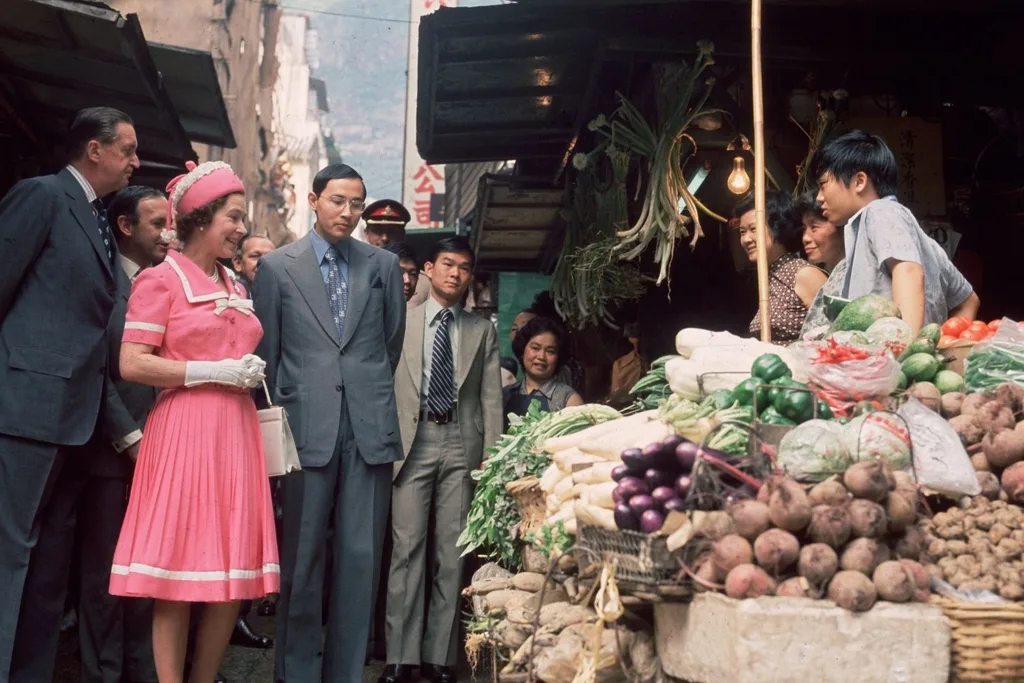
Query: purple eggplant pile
(652,482)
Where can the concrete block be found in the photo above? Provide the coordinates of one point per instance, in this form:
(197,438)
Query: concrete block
(716,639)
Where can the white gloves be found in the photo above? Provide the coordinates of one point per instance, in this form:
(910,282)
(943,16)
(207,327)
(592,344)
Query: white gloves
(245,373)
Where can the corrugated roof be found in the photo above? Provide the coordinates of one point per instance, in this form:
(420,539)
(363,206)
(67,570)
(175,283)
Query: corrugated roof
(190,79)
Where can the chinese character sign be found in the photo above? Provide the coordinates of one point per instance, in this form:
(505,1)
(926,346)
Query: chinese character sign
(422,184)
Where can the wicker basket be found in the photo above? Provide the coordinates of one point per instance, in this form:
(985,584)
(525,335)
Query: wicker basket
(643,560)
(531,503)
(988,640)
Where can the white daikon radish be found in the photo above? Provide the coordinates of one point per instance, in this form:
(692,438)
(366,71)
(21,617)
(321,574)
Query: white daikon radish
(552,475)
(552,503)
(560,443)
(598,473)
(610,447)
(565,512)
(570,525)
(600,495)
(564,488)
(569,458)
(595,516)
(578,489)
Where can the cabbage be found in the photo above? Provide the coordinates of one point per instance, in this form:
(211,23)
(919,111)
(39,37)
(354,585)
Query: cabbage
(881,436)
(890,330)
(814,451)
(851,338)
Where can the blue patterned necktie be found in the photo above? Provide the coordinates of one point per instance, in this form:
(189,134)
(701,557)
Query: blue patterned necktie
(337,289)
(441,392)
(104,228)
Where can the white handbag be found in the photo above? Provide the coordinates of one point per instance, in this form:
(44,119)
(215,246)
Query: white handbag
(278,443)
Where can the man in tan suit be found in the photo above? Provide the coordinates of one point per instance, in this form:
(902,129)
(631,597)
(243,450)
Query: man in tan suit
(448,389)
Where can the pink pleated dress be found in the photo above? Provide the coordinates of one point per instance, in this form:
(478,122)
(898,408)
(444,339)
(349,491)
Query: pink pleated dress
(200,523)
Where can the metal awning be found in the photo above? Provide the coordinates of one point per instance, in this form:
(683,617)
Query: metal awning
(59,56)
(514,223)
(190,78)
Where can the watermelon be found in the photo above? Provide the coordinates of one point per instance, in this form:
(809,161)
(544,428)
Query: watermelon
(921,367)
(863,311)
(948,381)
(931,332)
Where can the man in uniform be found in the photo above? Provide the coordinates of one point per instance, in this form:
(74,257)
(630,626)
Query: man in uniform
(385,223)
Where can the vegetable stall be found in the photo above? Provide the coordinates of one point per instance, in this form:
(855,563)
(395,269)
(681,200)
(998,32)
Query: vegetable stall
(874,476)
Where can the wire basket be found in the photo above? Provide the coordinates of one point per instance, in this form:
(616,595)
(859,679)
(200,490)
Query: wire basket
(988,640)
(642,559)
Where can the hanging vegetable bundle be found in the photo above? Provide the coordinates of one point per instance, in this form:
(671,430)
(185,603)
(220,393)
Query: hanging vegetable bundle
(663,149)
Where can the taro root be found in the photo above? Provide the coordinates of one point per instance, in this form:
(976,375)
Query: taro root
(817,563)
(967,429)
(867,519)
(748,581)
(990,486)
(829,492)
(909,545)
(900,512)
(1011,395)
(869,480)
(788,507)
(750,518)
(951,403)
(853,591)
(796,587)
(994,416)
(1003,447)
(1013,482)
(972,403)
(893,582)
(776,550)
(829,524)
(729,552)
(863,555)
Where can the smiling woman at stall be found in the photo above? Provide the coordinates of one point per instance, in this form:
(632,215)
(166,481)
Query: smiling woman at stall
(823,244)
(793,282)
(539,345)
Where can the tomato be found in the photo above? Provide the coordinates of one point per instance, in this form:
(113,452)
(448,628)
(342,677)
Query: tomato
(955,326)
(978,326)
(946,341)
(994,325)
(973,335)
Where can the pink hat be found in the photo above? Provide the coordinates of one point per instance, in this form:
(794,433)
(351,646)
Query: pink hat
(201,185)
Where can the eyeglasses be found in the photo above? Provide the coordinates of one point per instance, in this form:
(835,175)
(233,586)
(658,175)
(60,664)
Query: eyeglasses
(357,205)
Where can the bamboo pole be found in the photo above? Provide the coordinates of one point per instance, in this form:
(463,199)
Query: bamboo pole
(760,227)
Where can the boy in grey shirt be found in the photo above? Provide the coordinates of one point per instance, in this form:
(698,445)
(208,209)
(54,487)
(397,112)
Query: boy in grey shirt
(887,252)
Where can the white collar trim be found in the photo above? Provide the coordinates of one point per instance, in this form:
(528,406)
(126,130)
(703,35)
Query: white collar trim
(202,298)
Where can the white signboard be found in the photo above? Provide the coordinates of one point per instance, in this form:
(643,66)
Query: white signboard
(422,184)
(943,233)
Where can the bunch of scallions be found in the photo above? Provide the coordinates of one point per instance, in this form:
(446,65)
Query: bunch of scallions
(663,149)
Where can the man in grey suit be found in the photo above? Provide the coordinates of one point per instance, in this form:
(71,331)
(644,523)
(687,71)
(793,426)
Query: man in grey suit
(448,387)
(57,289)
(333,316)
(115,633)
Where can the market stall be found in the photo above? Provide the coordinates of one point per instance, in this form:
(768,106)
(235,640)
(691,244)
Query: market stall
(797,509)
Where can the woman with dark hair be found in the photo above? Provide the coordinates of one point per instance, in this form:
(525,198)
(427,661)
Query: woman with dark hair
(823,244)
(540,348)
(793,282)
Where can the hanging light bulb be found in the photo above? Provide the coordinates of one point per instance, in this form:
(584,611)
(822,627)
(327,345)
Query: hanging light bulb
(739,181)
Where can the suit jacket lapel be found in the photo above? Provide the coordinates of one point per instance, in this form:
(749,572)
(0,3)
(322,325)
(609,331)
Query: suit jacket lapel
(359,270)
(469,340)
(415,325)
(305,271)
(82,212)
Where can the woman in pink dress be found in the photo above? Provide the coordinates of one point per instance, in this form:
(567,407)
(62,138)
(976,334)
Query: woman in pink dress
(199,525)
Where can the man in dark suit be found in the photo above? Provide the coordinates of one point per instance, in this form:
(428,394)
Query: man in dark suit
(115,633)
(333,316)
(58,265)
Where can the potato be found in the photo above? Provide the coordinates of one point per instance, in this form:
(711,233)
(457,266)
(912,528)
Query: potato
(957,547)
(863,555)
(938,548)
(729,552)
(980,462)
(1011,590)
(776,550)
(1003,447)
(748,581)
(829,524)
(998,532)
(869,480)
(867,518)
(950,404)
(853,591)
(817,563)
(750,518)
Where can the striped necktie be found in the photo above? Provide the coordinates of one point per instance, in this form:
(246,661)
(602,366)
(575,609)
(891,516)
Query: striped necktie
(337,289)
(441,392)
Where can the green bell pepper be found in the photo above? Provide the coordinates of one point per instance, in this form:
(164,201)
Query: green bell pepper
(773,417)
(769,368)
(779,387)
(746,390)
(824,411)
(723,398)
(796,404)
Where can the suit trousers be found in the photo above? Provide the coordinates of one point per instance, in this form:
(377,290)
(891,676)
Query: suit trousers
(115,634)
(354,496)
(41,485)
(435,479)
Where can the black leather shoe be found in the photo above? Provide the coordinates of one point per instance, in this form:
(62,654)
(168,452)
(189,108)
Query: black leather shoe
(267,608)
(244,636)
(396,673)
(438,674)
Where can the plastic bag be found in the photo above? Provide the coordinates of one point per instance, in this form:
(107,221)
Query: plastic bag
(996,360)
(814,451)
(879,436)
(842,385)
(940,461)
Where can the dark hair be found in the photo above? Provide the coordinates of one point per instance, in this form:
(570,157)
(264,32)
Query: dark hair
(537,326)
(335,172)
(94,123)
(126,203)
(544,305)
(807,205)
(452,245)
(857,151)
(778,209)
(198,218)
(240,249)
(509,363)
(402,250)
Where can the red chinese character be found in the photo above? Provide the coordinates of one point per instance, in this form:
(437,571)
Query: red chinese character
(430,4)
(421,207)
(426,183)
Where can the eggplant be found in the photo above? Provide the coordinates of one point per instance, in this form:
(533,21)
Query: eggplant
(675,504)
(683,484)
(651,521)
(625,519)
(655,478)
(686,455)
(634,459)
(662,495)
(632,486)
(621,471)
(617,496)
(641,503)
(670,442)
